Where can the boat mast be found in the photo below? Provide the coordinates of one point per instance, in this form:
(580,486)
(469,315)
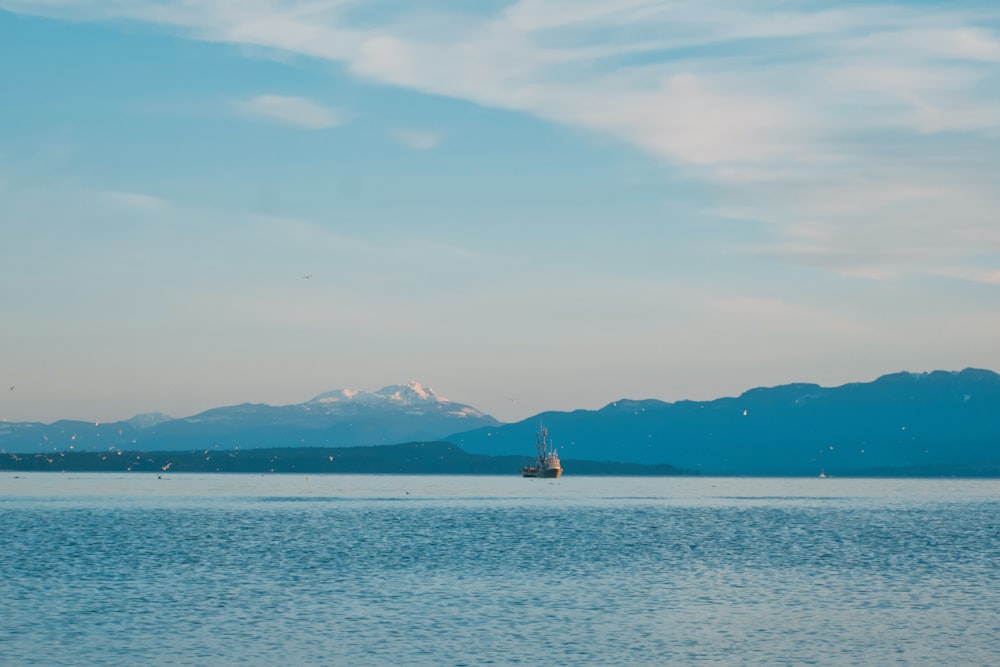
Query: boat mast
(541,443)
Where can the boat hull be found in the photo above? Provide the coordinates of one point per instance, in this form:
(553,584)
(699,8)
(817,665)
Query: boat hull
(550,473)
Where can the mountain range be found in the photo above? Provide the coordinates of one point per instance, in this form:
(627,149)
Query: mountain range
(339,418)
(941,422)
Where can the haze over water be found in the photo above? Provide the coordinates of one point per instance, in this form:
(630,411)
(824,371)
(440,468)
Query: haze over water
(400,570)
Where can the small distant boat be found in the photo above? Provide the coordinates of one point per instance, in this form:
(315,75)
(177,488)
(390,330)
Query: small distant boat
(822,474)
(547,463)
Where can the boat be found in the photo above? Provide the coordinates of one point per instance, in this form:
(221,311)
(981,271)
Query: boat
(547,463)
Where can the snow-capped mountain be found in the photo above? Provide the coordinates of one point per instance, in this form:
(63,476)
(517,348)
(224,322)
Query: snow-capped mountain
(413,398)
(148,419)
(339,418)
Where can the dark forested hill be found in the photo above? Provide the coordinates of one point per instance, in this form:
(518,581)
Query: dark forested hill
(433,458)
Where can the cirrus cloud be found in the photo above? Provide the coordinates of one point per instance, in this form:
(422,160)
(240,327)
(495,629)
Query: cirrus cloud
(789,113)
(297,111)
(416,139)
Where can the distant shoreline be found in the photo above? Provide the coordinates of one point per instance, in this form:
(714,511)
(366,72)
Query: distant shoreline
(417,458)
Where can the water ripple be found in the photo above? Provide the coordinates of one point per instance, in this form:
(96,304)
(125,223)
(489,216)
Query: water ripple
(487,579)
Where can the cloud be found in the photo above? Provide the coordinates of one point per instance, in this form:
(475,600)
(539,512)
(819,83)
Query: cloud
(835,113)
(133,201)
(418,140)
(643,71)
(298,111)
(880,221)
(984,276)
(962,43)
(306,236)
(782,316)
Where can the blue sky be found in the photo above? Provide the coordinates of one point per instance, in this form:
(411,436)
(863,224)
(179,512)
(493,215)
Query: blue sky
(527,205)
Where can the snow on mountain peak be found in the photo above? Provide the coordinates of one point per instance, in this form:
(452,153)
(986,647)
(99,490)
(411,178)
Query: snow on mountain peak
(400,394)
(148,419)
(413,392)
(336,396)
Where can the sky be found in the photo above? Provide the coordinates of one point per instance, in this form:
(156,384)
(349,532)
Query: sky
(528,206)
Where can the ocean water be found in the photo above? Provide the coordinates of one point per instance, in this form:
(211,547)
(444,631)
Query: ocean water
(396,570)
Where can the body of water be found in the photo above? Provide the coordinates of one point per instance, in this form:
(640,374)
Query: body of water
(136,569)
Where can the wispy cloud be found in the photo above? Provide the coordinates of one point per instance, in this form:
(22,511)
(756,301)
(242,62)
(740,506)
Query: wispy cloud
(782,316)
(301,234)
(975,275)
(824,113)
(416,139)
(765,97)
(134,201)
(298,111)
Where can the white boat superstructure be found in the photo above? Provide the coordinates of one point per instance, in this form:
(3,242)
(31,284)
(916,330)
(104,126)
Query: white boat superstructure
(547,462)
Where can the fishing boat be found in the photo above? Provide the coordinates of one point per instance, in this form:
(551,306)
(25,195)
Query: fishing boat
(547,464)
